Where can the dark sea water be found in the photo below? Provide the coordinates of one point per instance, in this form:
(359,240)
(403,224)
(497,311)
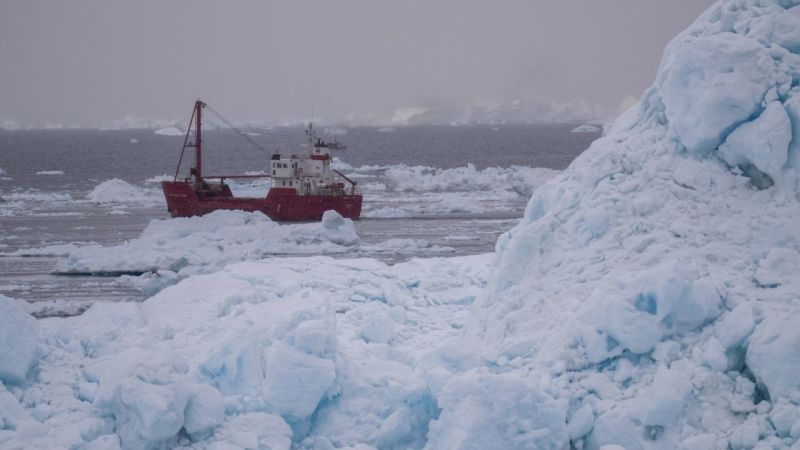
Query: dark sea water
(45,207)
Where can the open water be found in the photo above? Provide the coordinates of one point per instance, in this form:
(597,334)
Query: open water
(48,174)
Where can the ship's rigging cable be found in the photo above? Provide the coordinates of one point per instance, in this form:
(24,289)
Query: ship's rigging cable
(241,133)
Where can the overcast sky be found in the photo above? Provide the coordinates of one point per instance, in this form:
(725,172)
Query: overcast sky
(90,62)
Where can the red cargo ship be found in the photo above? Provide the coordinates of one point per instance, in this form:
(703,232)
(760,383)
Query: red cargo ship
(303,185)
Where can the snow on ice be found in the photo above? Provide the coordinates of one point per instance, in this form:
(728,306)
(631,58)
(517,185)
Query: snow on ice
(648,299)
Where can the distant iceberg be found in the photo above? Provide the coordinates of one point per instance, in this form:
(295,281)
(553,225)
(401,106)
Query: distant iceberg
(586,128)
(169,131)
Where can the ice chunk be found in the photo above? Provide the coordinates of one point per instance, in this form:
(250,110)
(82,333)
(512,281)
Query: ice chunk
(146,414)
(635,314)
(377,324)
(744,436)
(762,143)
(711,85)
(14,418)
(581,422)
(19,341)
(784,416)
(736,326)
(253,430)
(482,410)
(332,220)
(118,191)
(773,353)
(714,354)
(105,442)
(780,267)
(315,337)
(205,410)
(668,396)
(382,403)
(295,382)
(793,110)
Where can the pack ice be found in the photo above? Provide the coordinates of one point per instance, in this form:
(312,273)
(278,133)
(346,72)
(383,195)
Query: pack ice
(648,299)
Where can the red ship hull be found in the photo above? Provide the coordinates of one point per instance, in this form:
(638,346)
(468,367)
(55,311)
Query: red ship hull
(282,204)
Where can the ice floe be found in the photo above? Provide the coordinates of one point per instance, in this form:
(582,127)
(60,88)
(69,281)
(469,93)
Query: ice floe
(119,191)
(202,244)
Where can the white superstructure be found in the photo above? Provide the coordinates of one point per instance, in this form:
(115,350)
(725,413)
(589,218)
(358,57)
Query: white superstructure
(308,173)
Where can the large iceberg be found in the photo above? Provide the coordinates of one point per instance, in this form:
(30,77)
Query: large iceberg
(652,283)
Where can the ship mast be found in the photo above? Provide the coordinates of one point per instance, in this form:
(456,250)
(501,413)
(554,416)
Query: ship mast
(197,170)
(198,141)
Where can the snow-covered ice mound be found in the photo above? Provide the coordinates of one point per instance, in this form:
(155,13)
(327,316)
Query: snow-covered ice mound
(650,296)
(291,353)
(202,244)
(118,191)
